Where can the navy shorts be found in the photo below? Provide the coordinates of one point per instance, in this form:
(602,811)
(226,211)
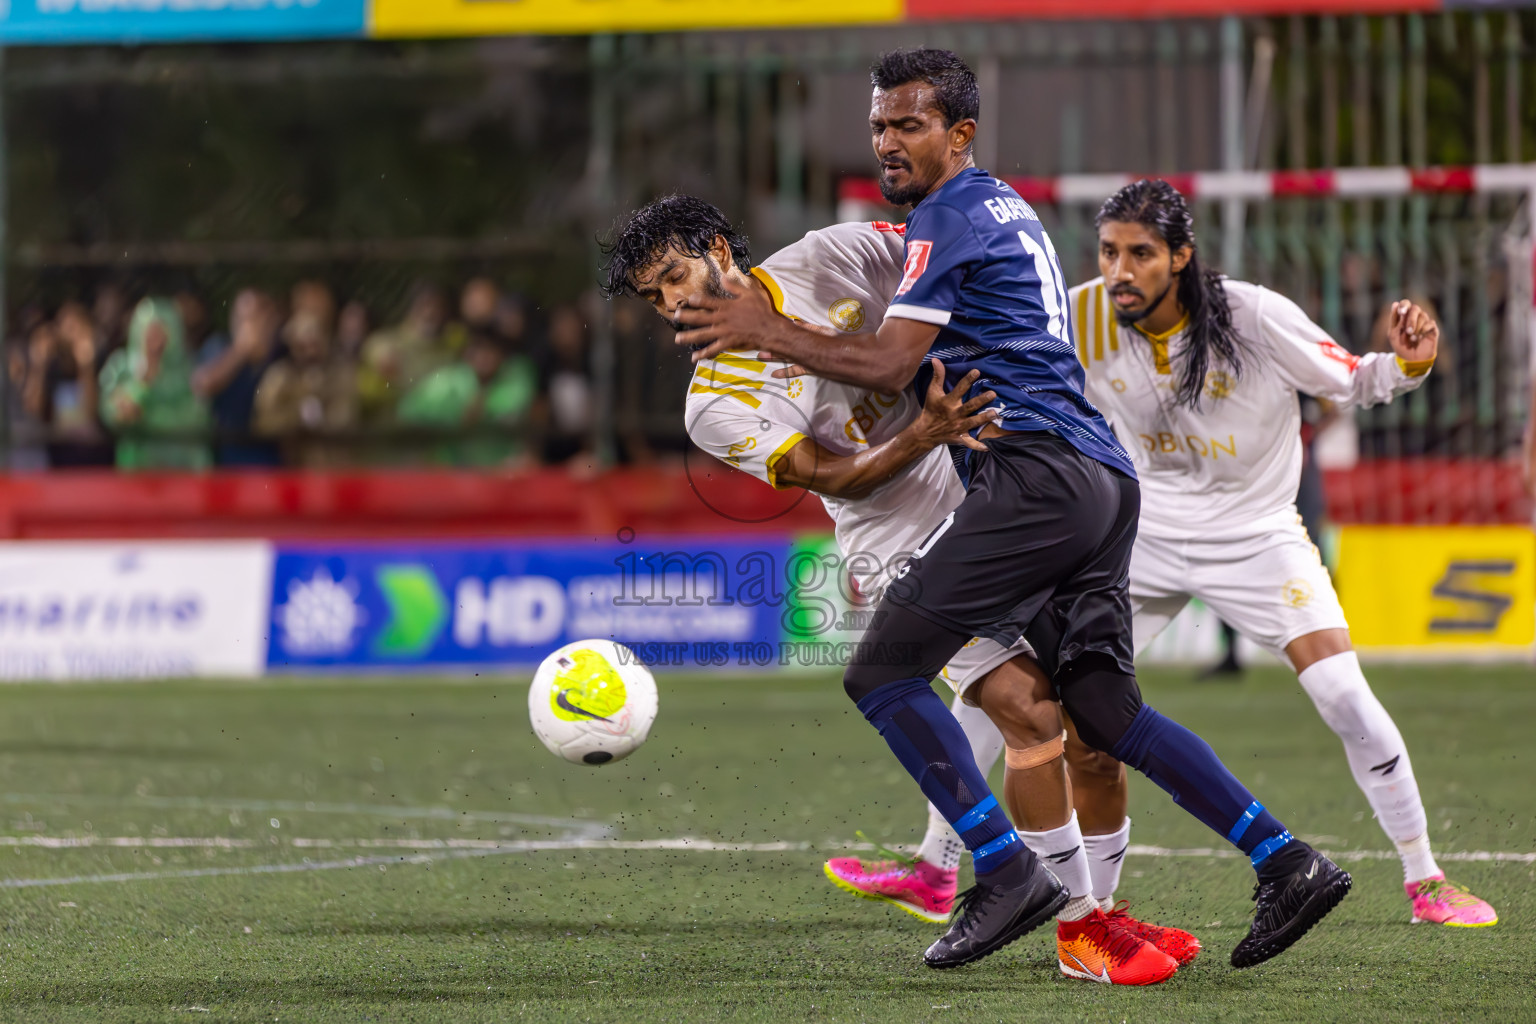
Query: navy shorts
(1040,547)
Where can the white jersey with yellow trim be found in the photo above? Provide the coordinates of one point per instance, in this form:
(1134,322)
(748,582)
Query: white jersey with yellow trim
(1232,465)
(842,277)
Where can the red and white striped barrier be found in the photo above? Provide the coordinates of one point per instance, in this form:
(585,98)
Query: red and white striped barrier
(1347,182)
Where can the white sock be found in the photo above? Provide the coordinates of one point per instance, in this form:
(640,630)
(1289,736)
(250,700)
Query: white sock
(1418,861)
(941,845)
(1377,755)
(1061,849)
(1077,908)
(1106,856)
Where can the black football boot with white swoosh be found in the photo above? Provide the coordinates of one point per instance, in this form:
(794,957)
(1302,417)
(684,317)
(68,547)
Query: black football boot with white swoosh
(1287,906)
(1008,903)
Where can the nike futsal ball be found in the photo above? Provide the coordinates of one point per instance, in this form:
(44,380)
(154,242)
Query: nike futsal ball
(592,702)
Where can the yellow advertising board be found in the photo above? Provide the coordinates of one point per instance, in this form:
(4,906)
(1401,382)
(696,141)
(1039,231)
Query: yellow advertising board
(417,18)
(1439,589)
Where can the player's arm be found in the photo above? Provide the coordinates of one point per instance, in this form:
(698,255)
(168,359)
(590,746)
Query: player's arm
(941,250)
(945,419)
(1314,364)
(884,361)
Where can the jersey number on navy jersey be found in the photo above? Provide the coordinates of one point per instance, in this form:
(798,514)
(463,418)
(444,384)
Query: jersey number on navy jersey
(1053,290)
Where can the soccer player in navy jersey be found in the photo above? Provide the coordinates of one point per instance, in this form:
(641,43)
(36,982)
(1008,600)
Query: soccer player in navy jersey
(1041,544)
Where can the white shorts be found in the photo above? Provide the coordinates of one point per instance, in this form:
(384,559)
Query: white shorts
(1271,587)
(972,662)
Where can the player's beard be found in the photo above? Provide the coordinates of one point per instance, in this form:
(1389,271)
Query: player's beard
(1131,319)
(907,195)
(714,284)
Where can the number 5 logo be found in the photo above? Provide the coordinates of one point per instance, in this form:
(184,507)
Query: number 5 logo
(917,262)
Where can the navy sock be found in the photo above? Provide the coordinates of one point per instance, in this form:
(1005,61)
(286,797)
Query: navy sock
(925,737)
(1186,767)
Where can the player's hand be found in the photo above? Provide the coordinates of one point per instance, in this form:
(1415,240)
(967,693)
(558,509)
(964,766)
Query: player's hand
(1414,334)
(784,372)
(947,417)
(712,326)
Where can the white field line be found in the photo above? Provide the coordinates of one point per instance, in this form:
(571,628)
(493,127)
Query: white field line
(428,851)
(259,869)
(587,828)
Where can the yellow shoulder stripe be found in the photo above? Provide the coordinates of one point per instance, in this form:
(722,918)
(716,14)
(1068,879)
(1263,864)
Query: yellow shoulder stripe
(741,362)
(739,394)
(777,454)
(721,377)
(1098,338)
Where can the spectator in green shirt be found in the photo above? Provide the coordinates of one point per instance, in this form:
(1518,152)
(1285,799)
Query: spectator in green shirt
(147,398)
(395,360)
(485,397)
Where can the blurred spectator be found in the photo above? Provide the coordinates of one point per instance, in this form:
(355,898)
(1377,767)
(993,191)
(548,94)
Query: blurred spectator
(314,298)
(70,379)
(477,312)
(109,309)
(147,397)
(352,327)
(488,395)
(651,381)
(397,358)
(228,371)
(25,452)
(308,395)
(568,388)
(194,319)
(511,322)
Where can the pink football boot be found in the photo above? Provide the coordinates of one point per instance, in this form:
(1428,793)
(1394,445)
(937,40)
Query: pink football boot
(921,889)
(1440,902)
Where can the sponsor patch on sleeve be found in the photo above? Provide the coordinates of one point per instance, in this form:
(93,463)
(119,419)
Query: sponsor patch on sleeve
(917,262)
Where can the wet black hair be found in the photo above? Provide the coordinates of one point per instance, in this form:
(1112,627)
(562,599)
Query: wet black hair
(954,83)
(1155,204)
(684,222)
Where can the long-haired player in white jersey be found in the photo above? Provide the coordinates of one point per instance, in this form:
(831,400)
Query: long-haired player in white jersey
(879,464)
(1199,375)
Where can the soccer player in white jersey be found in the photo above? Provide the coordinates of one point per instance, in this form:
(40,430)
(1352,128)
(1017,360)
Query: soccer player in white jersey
(1199,376)
(879,464)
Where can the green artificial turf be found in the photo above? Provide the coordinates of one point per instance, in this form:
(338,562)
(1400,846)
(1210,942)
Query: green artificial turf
(429,791)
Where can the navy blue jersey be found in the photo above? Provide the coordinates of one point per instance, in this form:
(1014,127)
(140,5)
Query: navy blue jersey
(980,266)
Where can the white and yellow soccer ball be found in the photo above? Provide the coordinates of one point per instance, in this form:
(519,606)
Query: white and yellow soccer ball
(592,702)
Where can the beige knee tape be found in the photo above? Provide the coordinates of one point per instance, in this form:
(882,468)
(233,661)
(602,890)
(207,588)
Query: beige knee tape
(1034,757)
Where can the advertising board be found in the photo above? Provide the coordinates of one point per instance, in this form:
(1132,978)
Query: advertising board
(106,609)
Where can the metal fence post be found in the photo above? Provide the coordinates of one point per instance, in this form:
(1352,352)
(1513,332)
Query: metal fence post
(1232,210)
(600,180)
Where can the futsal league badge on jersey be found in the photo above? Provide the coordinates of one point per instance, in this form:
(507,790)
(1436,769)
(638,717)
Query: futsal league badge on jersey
(846,315)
